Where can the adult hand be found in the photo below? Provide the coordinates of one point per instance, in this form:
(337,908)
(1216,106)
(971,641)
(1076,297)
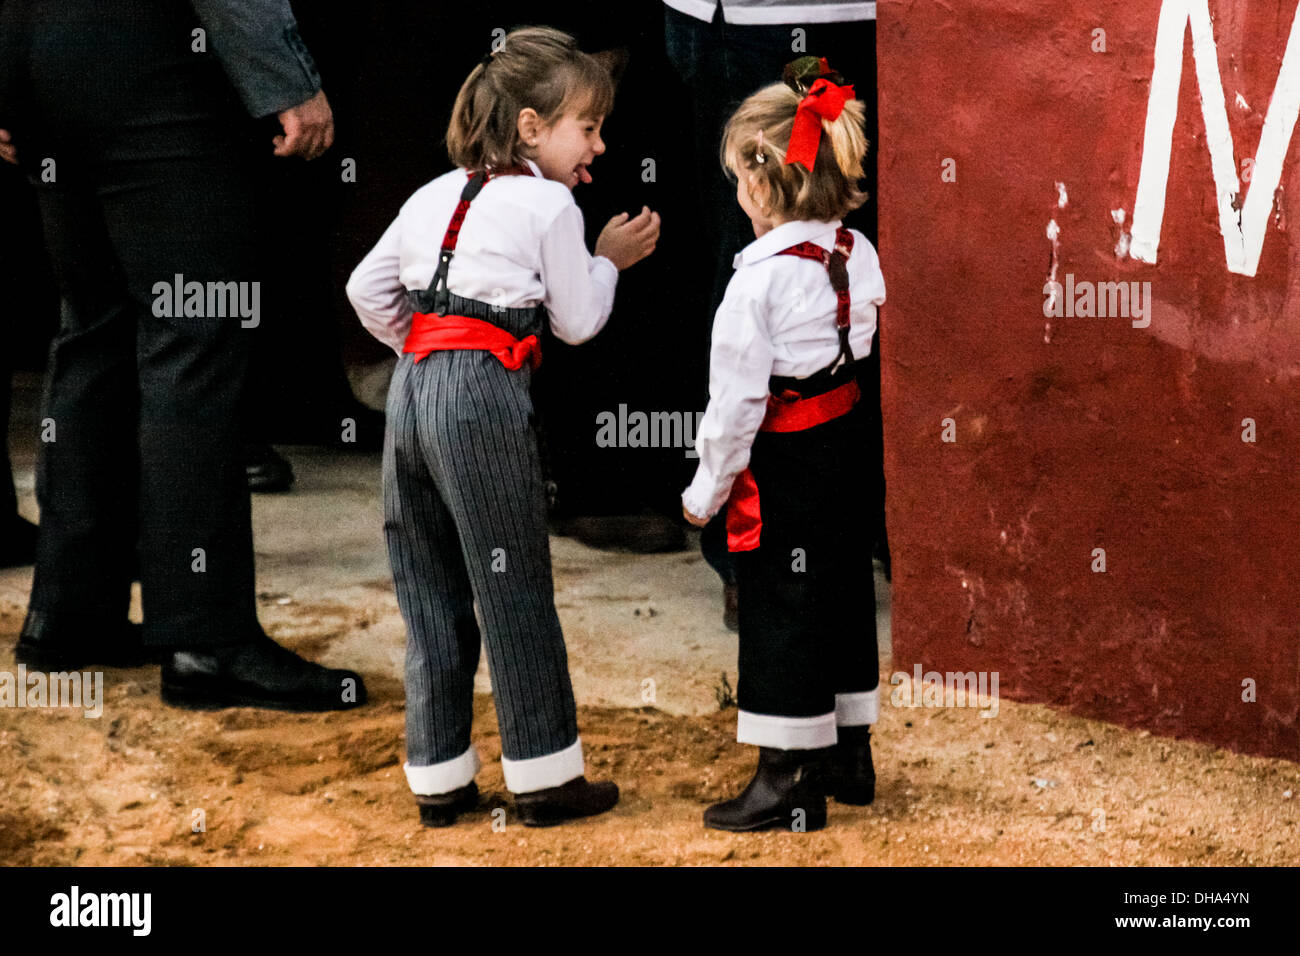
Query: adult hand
(308,128)
(625,242)
(698,522)
(7,151)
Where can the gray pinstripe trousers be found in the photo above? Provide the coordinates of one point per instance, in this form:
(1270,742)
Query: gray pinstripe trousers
(465,522)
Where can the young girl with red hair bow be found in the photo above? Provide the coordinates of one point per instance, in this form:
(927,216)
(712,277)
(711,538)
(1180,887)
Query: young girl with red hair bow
(784,448)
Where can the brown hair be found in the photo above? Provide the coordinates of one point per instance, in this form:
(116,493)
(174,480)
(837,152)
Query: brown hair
(537,67)
(761,127)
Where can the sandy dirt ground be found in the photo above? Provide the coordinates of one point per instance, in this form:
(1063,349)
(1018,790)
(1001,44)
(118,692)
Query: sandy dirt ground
(1029,786)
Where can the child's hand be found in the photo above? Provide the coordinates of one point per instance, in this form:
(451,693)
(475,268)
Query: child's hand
(8,152)
(625,242)
(698,522)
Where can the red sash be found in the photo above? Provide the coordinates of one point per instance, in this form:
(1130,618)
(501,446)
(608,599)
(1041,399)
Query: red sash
(434,333)
(784,414)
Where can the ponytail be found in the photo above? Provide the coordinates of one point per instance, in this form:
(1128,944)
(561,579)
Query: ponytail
(535,67)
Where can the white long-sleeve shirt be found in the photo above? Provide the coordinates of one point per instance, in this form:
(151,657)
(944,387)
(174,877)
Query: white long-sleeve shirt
(777,318)
(521,243)
(777,11)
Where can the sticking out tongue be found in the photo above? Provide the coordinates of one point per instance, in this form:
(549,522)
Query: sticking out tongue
(583,174)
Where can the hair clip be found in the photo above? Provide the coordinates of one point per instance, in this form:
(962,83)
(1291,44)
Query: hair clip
(758,156)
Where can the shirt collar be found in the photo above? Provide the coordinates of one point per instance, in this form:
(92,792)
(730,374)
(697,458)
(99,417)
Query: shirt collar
(536,170)
(784,236)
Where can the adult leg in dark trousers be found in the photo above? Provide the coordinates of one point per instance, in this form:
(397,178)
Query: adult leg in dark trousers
(149,185)
(17,534)
(722,64)
(18,301)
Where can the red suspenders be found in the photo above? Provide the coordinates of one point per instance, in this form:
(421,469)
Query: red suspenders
(836,263)
(791,412)
(436,331)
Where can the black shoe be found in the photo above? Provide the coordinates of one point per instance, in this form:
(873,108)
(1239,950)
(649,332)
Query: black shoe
(267,469)
(852,775)
(441,810)
(577,798)
(17,543)
(731,607)
(787,792)
(259,673)
(638,534)
(68,645)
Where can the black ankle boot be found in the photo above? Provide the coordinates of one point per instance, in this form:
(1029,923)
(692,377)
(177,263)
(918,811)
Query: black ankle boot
(853,777)
(577,798)
(787,791)
(441,809)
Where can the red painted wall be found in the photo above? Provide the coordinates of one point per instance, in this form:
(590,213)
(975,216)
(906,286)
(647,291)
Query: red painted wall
(1089,433)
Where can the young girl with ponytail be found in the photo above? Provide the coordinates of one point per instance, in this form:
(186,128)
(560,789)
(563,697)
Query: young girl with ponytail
(459,286)
(784,448)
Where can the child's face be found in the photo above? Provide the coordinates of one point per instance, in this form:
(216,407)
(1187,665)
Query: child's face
(565,149)
(748,187)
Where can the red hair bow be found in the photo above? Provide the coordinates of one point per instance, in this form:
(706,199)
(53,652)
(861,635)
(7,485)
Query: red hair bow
(825,100)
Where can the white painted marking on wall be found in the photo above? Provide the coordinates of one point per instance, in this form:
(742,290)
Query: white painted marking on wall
(1242,225)
(1121,246)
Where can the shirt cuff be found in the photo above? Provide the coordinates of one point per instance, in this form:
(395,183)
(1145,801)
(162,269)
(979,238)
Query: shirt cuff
(608,267)
(698,499)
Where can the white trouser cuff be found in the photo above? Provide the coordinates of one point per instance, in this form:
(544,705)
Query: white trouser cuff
(786,733)
(540,773)
(443,777)
(857,709)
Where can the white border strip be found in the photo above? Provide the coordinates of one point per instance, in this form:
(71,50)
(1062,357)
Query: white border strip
(857,709)
(434,779)
(542,773)
(786,733)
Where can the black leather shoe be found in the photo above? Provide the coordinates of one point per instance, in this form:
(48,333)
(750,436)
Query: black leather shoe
(267,469)
(569,801)
(853,776)
(259,673)
(441,809)
(66,644)
(17,542)
(787,792)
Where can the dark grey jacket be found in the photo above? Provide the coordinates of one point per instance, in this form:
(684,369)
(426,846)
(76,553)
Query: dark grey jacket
(258,45)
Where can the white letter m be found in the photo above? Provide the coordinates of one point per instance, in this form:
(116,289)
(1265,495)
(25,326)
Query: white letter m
(1242,224)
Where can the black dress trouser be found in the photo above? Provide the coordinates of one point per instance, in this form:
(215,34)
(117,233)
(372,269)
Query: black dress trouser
(141,440)
(723,63)
(807,601)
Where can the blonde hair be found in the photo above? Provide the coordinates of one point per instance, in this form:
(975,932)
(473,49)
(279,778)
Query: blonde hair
(537,67)
(761,127)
